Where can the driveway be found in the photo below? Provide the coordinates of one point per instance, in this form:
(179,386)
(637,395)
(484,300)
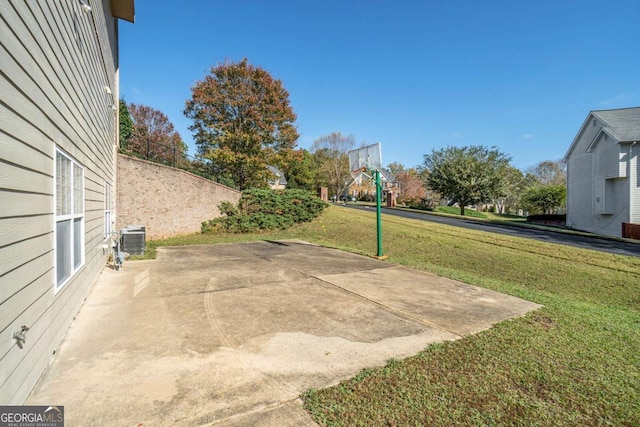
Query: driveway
(232,334)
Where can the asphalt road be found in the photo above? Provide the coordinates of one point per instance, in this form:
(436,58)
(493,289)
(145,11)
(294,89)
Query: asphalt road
(587,242)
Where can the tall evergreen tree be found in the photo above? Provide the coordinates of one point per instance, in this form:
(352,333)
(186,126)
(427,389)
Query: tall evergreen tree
(126,124)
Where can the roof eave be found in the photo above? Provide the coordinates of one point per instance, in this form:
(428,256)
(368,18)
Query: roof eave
(123,9)
(565,159)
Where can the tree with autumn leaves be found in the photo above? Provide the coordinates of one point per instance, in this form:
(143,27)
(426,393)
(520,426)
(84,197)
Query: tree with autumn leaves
(410,184)
(242,122)
(331,153)
(148,133)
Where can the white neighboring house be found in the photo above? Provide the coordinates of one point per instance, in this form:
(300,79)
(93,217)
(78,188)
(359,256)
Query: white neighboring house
(277,181)
(603,172)
(58,141)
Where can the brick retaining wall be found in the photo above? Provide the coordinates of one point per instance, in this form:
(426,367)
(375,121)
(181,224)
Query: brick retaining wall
(167,201)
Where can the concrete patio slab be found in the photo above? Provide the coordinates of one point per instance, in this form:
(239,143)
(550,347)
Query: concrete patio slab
(232,334)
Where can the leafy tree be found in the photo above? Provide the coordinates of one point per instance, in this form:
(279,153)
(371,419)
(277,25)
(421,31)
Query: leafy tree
(545,198)
(301,170)
(331,153)
(550,172)
(410,184)
(126,124)
(514,185)
(547,189)
(242,122)
(412,188)
(153,136)
(395,168)
(466,175)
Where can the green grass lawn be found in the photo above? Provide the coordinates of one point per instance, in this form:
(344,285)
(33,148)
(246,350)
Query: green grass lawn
(453,210)
(575,362)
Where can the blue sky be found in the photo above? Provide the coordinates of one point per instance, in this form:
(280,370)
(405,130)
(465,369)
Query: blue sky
(412,75)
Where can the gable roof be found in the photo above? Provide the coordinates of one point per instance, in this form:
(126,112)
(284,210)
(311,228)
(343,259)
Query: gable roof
(621,118)
(622,124)
(385,175)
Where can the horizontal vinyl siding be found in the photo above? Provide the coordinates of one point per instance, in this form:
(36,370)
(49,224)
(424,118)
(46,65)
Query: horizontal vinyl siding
(18,279)
(55,62)
(14,255)
(21,228)
(15,203)
(14,177)
(579,190)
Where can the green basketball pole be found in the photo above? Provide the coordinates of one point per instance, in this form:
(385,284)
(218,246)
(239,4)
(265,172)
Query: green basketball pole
(378,211)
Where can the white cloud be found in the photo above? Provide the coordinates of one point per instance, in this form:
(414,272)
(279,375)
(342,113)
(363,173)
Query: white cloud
(456,135)
(526,136)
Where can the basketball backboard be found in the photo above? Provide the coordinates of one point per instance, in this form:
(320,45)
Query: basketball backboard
(369,157)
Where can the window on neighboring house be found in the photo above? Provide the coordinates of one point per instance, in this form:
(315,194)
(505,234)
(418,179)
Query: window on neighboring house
(69,202)
(107,211)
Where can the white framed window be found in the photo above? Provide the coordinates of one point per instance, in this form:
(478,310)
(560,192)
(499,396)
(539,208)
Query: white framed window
(69,217)
(108,226)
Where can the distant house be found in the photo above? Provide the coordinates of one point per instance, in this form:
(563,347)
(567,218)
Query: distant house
(277,180)
(58,141)
(603,172)
(362,184)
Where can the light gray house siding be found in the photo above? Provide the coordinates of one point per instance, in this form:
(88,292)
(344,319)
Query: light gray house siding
(602,172)
(58,99)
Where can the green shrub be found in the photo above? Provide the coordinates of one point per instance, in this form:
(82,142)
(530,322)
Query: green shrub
(263,209)
(228,208)
(368,198)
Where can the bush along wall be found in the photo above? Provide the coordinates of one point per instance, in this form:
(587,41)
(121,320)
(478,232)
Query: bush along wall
(264,209)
